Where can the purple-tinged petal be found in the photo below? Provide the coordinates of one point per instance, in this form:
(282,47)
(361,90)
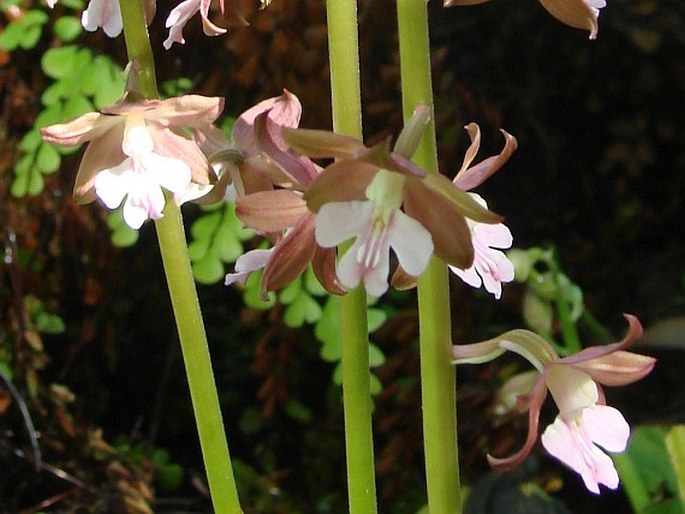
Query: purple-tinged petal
(268,140)
(634,334)
(403,281)
(271,211)
(476,353)
(411,242)
(246,264)
(380,156)
(285,110)
(177,19)
(413,130)
(171,145)
(474,176)
(617,368)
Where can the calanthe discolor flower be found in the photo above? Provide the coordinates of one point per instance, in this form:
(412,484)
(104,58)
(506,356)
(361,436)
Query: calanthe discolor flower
(179,16)
(584,425)
(137,148)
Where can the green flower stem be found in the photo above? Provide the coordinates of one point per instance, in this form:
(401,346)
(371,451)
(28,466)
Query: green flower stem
(210,426)
(437,373)
(138,45)
(569,331)
(346,103)
(186,307)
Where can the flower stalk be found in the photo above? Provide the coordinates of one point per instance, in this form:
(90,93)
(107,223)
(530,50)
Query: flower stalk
(186,307)
(346,106)
(437,375)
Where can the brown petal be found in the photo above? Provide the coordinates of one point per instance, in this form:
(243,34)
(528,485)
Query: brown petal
(574,13)
(193,111)
(103,153)
(379,155)
(268,140)
(323,265)
(323,143)
(474,176)
(460,200)
(84,128)
(451,235)
(618,368)
(402,281)
(342,181)
(271,211)
(291,255)
(452,3)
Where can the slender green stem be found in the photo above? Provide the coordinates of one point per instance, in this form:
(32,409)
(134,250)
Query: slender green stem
(437,373)
(210,426)
(346,103)
(569,331)
(186,307)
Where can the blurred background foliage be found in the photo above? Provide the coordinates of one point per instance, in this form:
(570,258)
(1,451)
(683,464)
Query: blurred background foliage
(94,410)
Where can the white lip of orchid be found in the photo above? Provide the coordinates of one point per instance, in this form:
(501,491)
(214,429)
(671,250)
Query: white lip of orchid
(523,352)
(571,389)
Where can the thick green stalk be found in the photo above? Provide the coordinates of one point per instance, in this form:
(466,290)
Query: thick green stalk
(186,307)
(437,373)
(346,103)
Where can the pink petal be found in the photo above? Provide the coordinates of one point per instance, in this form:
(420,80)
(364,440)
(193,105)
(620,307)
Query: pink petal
(112,185)
(177,20)
(105,14)
(606,427)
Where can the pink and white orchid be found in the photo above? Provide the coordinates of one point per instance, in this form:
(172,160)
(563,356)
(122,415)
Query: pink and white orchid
(381,198)
(490,266)
(136,150)
(105,14)
(584,423)
(179,16)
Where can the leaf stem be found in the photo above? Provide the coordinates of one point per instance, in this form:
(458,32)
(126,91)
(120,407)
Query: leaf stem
(186,307)
(343,48)
(437,373)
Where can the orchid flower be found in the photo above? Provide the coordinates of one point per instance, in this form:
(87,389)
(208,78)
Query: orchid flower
(268,180)
(380,198)
(179,16)
(579,14)
(136,150)
(584,423)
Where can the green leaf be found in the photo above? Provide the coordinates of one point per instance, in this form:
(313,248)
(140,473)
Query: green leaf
(48,158)
(50,116)
(251,295)
(297,411)
(11,36)
(124,236)
(376,318)
(376,357)
(198,248)
(59,62)
(375,384)
(49,323)
(31,37)
(228,246)
(290,292)
(204,227)
(169,477)
(30,141)
(54,93)
(67,28)
(208,270)
(304,308)
(76,106)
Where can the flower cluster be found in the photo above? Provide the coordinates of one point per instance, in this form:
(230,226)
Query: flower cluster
(584,423)
(375,197)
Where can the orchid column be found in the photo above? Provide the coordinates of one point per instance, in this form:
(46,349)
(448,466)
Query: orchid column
(184,300)
(437,374)
(346,105)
